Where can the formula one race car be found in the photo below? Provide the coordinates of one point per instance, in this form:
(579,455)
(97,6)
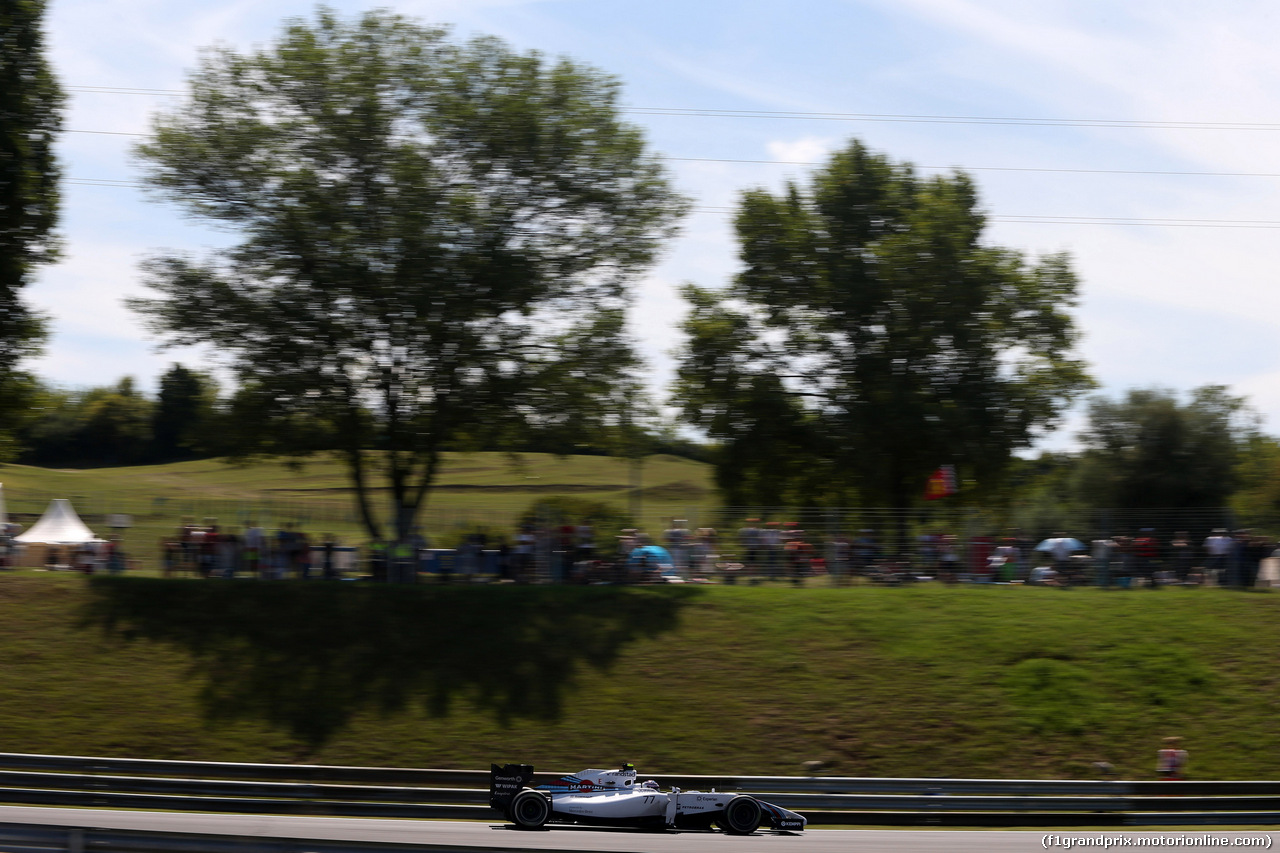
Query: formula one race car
(618,798)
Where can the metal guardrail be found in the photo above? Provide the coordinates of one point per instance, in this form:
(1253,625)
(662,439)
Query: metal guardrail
(35,838)
(128,783)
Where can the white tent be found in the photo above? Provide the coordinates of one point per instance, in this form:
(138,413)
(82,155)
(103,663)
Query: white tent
(58,526)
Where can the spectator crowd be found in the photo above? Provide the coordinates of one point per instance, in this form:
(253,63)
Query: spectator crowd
(757,552)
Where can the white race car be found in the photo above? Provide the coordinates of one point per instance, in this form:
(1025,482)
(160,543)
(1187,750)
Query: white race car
(618,798)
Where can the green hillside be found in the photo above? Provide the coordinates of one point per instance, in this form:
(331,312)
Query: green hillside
(474,489)
(924,681)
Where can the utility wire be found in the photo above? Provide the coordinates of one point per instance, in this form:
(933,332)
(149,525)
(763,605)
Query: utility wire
(1041,219)
(122,90)
(1045,169)
(702,112)
(1001,168)
(1052,219)
(959,119)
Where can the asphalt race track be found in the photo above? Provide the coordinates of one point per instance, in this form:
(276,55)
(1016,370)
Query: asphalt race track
(491,837)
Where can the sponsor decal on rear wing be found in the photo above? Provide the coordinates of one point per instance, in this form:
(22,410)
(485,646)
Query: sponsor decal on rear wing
(507,781)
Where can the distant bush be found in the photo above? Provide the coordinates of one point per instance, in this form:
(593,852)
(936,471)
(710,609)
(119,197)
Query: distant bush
(563,509)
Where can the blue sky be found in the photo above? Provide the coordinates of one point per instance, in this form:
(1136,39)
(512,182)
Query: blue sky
(1175,305)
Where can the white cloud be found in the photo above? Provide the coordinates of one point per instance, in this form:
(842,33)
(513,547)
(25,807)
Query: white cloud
(807,149)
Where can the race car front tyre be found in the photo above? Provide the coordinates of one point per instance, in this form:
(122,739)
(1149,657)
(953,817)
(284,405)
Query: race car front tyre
(530,810)
(741,816)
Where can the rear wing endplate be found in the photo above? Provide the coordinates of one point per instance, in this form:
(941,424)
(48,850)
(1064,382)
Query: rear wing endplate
(507,781)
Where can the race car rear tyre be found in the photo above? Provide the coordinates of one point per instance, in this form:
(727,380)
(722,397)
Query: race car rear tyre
(741,816)
(530,810)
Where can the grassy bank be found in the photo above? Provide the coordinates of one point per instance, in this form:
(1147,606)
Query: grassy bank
(1004,681)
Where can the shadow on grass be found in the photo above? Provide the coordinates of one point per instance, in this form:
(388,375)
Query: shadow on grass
(306,657)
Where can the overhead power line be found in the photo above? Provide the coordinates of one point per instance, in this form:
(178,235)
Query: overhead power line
(122,90)
(1000,168)
(809,115)
(1053,219)
(1045,169)
(956,119)
(1043,219)
(108,132)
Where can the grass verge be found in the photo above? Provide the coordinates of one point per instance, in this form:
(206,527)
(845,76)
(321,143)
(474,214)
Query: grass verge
(961,682)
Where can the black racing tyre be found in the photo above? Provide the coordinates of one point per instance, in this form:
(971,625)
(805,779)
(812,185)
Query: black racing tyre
(741,816)
(530,810)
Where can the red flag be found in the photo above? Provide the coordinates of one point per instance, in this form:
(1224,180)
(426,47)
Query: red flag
(942,484)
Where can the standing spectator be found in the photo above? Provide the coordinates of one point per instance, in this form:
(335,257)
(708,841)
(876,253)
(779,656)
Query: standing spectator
(1026,550)
(255,543)
(677,541)
(841,549)
(7,532)
(1122,561)
(1146,552)
(378,560)
(505,561)
(1101,553)
(1007,553)
(170,555)
(948,559)
(329,569)
(302,555)
(525,542)
(1181,556)
(475,565)
(1171,760)
(708,550)
(1236,559)
(749,542)
(585,535)
(927,553)
(1256,549)
(865,551)
(208,539)
(84,561)
(564,551)
(284,550)
(798,555)
(979,553)
(115,556)
(190,546)
(1217,549)
(771,540)
(228,554)
(418,544)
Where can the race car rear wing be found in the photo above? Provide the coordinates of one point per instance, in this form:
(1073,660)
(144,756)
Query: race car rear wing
(507,781)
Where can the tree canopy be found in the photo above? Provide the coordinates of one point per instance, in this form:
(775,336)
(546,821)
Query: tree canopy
(30,118)
(874,327)
(435,237)
(185,409)
(1148,449)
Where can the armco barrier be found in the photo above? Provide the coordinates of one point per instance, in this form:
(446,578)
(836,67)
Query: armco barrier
(34,838)
(128,783)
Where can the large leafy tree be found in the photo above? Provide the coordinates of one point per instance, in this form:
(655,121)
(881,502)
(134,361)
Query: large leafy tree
(431,236)
(1149,449)
(183,416)
(91,427)
(30,117)
(873,324)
